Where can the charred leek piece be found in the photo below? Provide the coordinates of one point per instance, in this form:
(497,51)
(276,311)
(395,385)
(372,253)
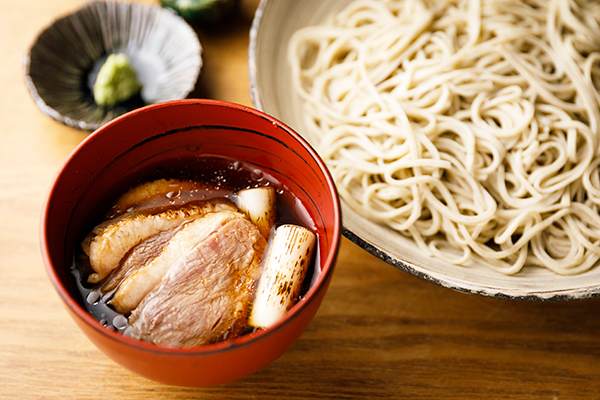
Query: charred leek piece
(284,270)
(259,205)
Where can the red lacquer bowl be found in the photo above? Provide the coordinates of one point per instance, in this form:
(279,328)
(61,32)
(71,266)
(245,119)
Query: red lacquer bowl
(155,135)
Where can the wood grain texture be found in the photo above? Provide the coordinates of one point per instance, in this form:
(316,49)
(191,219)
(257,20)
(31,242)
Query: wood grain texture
(380,333)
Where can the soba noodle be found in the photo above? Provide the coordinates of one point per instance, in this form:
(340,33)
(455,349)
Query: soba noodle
(471,126)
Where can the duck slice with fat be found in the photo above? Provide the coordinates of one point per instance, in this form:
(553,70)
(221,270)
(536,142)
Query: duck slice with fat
(110,241)
(207,293)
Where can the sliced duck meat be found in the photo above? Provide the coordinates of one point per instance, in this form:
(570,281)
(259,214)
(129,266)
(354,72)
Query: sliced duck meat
(133,289)
(108,243)
(148,196)
(205,295)
(138,257)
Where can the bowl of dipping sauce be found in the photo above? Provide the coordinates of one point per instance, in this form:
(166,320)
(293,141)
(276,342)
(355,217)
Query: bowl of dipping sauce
(178,191)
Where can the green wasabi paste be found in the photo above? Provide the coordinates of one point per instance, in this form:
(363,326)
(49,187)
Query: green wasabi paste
(116,82)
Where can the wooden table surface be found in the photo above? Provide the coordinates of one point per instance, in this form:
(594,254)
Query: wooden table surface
(380,332)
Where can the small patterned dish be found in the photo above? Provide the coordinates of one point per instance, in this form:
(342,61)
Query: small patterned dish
(62,64)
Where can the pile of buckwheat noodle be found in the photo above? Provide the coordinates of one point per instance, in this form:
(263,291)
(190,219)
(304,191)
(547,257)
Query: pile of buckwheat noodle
(470,126)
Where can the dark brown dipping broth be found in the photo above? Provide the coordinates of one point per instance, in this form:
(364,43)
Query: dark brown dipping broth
(214,178)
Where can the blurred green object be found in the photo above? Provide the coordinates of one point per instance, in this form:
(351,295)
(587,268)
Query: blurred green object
(203,11)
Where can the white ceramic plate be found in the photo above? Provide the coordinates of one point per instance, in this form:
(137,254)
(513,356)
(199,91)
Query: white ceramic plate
(270,88)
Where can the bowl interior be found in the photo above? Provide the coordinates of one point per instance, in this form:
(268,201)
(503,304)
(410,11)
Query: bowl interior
(149,142)
(274,24)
